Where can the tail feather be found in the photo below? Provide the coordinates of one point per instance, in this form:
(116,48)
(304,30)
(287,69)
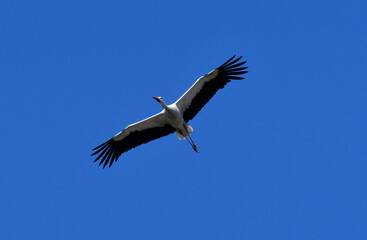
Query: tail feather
(180,136)
(184,134)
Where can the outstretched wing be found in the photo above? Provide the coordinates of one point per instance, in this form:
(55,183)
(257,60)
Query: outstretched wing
(132,136)
(205,87)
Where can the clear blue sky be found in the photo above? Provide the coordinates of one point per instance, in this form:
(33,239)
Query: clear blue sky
(282,154)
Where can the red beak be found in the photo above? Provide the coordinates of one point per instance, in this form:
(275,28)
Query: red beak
(156,99)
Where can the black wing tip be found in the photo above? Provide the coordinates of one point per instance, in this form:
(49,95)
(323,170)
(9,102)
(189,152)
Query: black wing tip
(99,146)
(228,61)
(231,61)
(231,68)
(106,153)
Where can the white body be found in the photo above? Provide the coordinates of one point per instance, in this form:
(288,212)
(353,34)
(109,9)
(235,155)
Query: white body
(174,116)
(171,115)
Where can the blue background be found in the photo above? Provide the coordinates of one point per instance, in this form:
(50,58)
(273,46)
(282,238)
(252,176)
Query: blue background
(282,153)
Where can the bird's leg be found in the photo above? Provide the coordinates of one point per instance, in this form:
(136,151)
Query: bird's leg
(192,142)
(189,141)
(187,138)
(194,145)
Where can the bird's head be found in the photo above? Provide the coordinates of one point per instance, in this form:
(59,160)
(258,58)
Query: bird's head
(159,99)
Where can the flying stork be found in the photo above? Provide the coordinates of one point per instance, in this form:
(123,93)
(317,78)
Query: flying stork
(174,117)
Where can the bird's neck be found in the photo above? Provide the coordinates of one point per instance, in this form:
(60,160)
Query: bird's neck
(164,105)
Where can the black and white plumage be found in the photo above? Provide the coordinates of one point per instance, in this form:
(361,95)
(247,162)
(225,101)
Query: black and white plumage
(174,117)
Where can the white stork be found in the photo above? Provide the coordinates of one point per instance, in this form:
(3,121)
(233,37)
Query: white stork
(174,117)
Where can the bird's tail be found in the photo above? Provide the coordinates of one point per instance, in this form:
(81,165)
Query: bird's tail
(184,134)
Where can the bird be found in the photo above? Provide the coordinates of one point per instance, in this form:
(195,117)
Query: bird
(173,117)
